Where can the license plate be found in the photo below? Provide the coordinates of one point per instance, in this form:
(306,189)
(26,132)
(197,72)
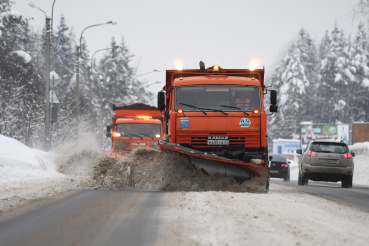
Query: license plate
(274,171)
(330,161)
(218,140)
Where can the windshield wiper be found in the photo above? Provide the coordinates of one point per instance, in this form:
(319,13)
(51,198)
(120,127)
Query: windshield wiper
(146,135)
(218,110)
(234,108)
(134,135)
(214,110)
(194,107)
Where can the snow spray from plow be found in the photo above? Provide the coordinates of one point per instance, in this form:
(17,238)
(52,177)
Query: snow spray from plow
(143,169)
(212,164)
(148,169)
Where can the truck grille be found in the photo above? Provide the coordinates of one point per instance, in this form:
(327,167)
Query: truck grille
(249,140)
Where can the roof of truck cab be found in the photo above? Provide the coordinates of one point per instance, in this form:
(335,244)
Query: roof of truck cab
(216,80)
(138,121)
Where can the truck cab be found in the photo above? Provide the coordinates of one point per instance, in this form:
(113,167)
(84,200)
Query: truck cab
(135,126)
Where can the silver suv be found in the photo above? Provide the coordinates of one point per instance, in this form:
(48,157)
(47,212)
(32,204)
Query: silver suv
(326,161)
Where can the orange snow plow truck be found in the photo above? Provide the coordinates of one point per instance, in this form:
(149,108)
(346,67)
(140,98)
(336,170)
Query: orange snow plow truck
(216,117)
(134,126)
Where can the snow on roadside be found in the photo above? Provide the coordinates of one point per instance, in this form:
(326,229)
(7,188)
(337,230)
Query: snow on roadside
(284,216)
(18,161)
(29,175)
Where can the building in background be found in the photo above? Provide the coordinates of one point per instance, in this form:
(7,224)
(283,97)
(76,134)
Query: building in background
(360,132)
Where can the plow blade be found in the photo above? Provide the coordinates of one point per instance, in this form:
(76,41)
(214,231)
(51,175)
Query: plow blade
(257,176)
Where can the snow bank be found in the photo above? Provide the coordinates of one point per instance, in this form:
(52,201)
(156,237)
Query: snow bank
(360,148)
(18,161)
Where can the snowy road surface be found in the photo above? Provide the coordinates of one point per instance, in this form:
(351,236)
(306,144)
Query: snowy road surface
(285,216)
(356,196)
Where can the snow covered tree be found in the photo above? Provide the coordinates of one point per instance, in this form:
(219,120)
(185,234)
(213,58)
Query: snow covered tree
(358,74)
(17,74)
(330,65)
(296,91)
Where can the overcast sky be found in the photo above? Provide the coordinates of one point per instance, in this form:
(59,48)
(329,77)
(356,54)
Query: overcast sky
(228,33)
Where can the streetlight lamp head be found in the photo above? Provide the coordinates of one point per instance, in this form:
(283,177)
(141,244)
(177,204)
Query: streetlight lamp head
(32,5)
(119,46)
(113,22)
(156,70)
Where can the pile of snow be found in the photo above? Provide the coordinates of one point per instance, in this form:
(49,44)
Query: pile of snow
(18,161)
(360,148)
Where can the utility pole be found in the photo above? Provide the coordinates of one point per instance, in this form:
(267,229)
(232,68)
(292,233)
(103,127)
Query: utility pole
(49,26)
(101,109)
(90,90)
(77,89)
(52,107)
(47,101)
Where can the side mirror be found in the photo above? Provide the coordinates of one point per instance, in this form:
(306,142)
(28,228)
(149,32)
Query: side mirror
(273,97)
(270,158)
(299,151)
(161,100)
(273,108)
(289,162)
(353,154)
(108,129)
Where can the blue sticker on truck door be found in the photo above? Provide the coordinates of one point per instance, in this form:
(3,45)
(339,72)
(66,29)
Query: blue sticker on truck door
(245,122)
(184,124)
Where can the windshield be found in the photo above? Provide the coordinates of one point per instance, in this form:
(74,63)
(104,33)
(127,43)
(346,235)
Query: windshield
(329,147)
(138,130)
(215,97)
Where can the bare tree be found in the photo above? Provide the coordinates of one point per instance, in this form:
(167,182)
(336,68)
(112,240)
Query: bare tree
(361,11)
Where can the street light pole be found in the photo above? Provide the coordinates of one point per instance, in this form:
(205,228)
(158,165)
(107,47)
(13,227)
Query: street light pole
(47,87)
(101,98)
(138,90)
(153,71)
(130,87)
(79,51)
(101,110)
(90,70)
(49,27)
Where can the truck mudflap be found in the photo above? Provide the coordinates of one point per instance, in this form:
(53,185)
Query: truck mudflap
(212,164)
